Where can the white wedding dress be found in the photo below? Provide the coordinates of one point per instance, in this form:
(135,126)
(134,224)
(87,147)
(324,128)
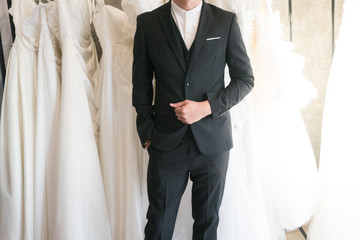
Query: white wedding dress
(121,155)
(281,150)
(243,212)
(17,134)
(338,206)
(80,207)
(38,37)
(287,163)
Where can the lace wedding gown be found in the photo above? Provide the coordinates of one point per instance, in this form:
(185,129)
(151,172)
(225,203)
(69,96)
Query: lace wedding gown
(17,134)
(80,212)
(338,211)
(121,155)
(38,37)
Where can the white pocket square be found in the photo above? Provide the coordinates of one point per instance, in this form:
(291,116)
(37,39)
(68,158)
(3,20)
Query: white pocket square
(213,38)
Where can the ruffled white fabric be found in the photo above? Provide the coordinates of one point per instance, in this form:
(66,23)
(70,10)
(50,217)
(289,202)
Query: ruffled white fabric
(287,163)
(243,212)
(338,211)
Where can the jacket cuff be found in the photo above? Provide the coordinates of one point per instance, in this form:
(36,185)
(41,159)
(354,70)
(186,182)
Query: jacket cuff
(213,98)
(144,136)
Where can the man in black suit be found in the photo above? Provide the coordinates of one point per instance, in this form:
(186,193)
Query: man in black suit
(185,124)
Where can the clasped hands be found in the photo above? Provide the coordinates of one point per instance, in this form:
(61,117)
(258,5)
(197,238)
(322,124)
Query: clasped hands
(189,112)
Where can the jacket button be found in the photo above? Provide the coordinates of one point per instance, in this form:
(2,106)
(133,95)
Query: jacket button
(188,83)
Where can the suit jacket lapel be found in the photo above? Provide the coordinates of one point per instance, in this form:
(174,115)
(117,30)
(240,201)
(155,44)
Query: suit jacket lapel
(165,19)
(205,19)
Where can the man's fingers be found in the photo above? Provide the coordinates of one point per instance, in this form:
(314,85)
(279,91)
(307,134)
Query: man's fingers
(178,104)
(147,143)
(183,120)
(179,116)
(179,110)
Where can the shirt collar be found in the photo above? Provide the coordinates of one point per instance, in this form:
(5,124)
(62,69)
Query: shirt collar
(180,11)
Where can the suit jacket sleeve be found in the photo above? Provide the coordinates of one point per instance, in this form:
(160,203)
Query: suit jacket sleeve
(142,76)
(242,80)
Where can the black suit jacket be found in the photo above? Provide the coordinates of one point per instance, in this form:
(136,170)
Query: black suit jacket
(156,52)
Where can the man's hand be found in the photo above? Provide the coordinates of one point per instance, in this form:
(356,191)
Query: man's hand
(189,112)
(147,143)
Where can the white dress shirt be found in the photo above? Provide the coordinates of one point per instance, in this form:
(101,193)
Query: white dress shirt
(186,21)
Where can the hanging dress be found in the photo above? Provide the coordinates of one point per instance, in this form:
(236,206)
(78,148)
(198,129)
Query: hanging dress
(17,134)
(80,211)
(38,37)
(121,154)
(338,204)
(286,159)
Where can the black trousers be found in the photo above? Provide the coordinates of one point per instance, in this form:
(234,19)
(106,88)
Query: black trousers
(168,174)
